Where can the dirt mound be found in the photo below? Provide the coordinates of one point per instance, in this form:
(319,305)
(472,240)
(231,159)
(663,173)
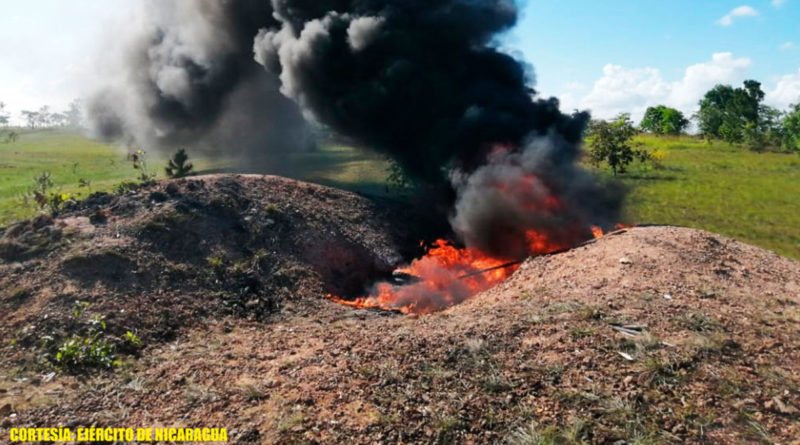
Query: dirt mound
(648,335)
(154,260)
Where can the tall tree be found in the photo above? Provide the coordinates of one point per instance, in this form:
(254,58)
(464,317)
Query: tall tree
(732,114)
(664,120)
(31,117)
(791,125)
(45,117)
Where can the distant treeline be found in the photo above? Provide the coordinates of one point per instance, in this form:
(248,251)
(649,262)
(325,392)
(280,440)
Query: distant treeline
(735,115)
(44,117)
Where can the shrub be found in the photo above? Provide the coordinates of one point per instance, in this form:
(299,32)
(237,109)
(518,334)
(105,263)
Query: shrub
(178,167)
(79,353)
(42,194)
(612,142)
(139,161)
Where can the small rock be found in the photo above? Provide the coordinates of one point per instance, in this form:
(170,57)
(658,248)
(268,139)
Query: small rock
(6,410)
(668,297)
(625,260)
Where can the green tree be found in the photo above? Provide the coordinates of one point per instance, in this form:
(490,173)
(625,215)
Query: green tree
(664,120)
(177,167)
(733,114)
(612,142)
(791,128)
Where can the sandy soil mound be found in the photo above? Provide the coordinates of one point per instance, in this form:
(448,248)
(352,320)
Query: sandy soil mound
(649,335)
(154,260)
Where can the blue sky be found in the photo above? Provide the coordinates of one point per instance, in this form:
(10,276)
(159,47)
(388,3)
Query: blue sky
(651,44)
(608,56)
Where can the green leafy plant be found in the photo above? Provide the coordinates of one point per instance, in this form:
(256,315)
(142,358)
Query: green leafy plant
(91,350)
(664,120)
(178,167)
(78,308)
(612,142)
(85,352)
(791,126)
(132,340)
(139,161)
(91,347)
(43,195)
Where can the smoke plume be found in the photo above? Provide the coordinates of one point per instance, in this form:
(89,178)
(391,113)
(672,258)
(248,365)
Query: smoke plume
(415,79)
(418,80)
(422,82)
(183,73)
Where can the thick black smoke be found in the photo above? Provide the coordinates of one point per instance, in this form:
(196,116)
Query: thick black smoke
(422,81)
(419,80)
(182,72)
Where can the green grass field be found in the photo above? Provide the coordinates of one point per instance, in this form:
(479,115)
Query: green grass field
(70,157)
(67,156)
(752,197)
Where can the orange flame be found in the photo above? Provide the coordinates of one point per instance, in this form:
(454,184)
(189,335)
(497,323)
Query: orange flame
(447,275)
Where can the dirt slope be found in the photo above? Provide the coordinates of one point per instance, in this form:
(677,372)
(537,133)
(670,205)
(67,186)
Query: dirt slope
(651,335)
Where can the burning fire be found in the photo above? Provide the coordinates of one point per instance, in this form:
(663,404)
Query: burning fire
(448,275)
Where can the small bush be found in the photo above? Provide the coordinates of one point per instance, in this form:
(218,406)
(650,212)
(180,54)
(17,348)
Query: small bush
(611,142)
(79,353)
(178,167)
(91,347)
(42,194)
(139,162)
(132,339)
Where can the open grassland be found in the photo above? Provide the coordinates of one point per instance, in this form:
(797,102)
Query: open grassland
(753,197)
(71,157)
(750,196)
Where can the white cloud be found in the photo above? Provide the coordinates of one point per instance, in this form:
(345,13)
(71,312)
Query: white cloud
(632,90)
(786,92)
(787,46)
(740,11)
(778,3)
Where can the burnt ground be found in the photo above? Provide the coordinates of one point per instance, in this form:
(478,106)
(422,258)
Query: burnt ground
(649,335)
